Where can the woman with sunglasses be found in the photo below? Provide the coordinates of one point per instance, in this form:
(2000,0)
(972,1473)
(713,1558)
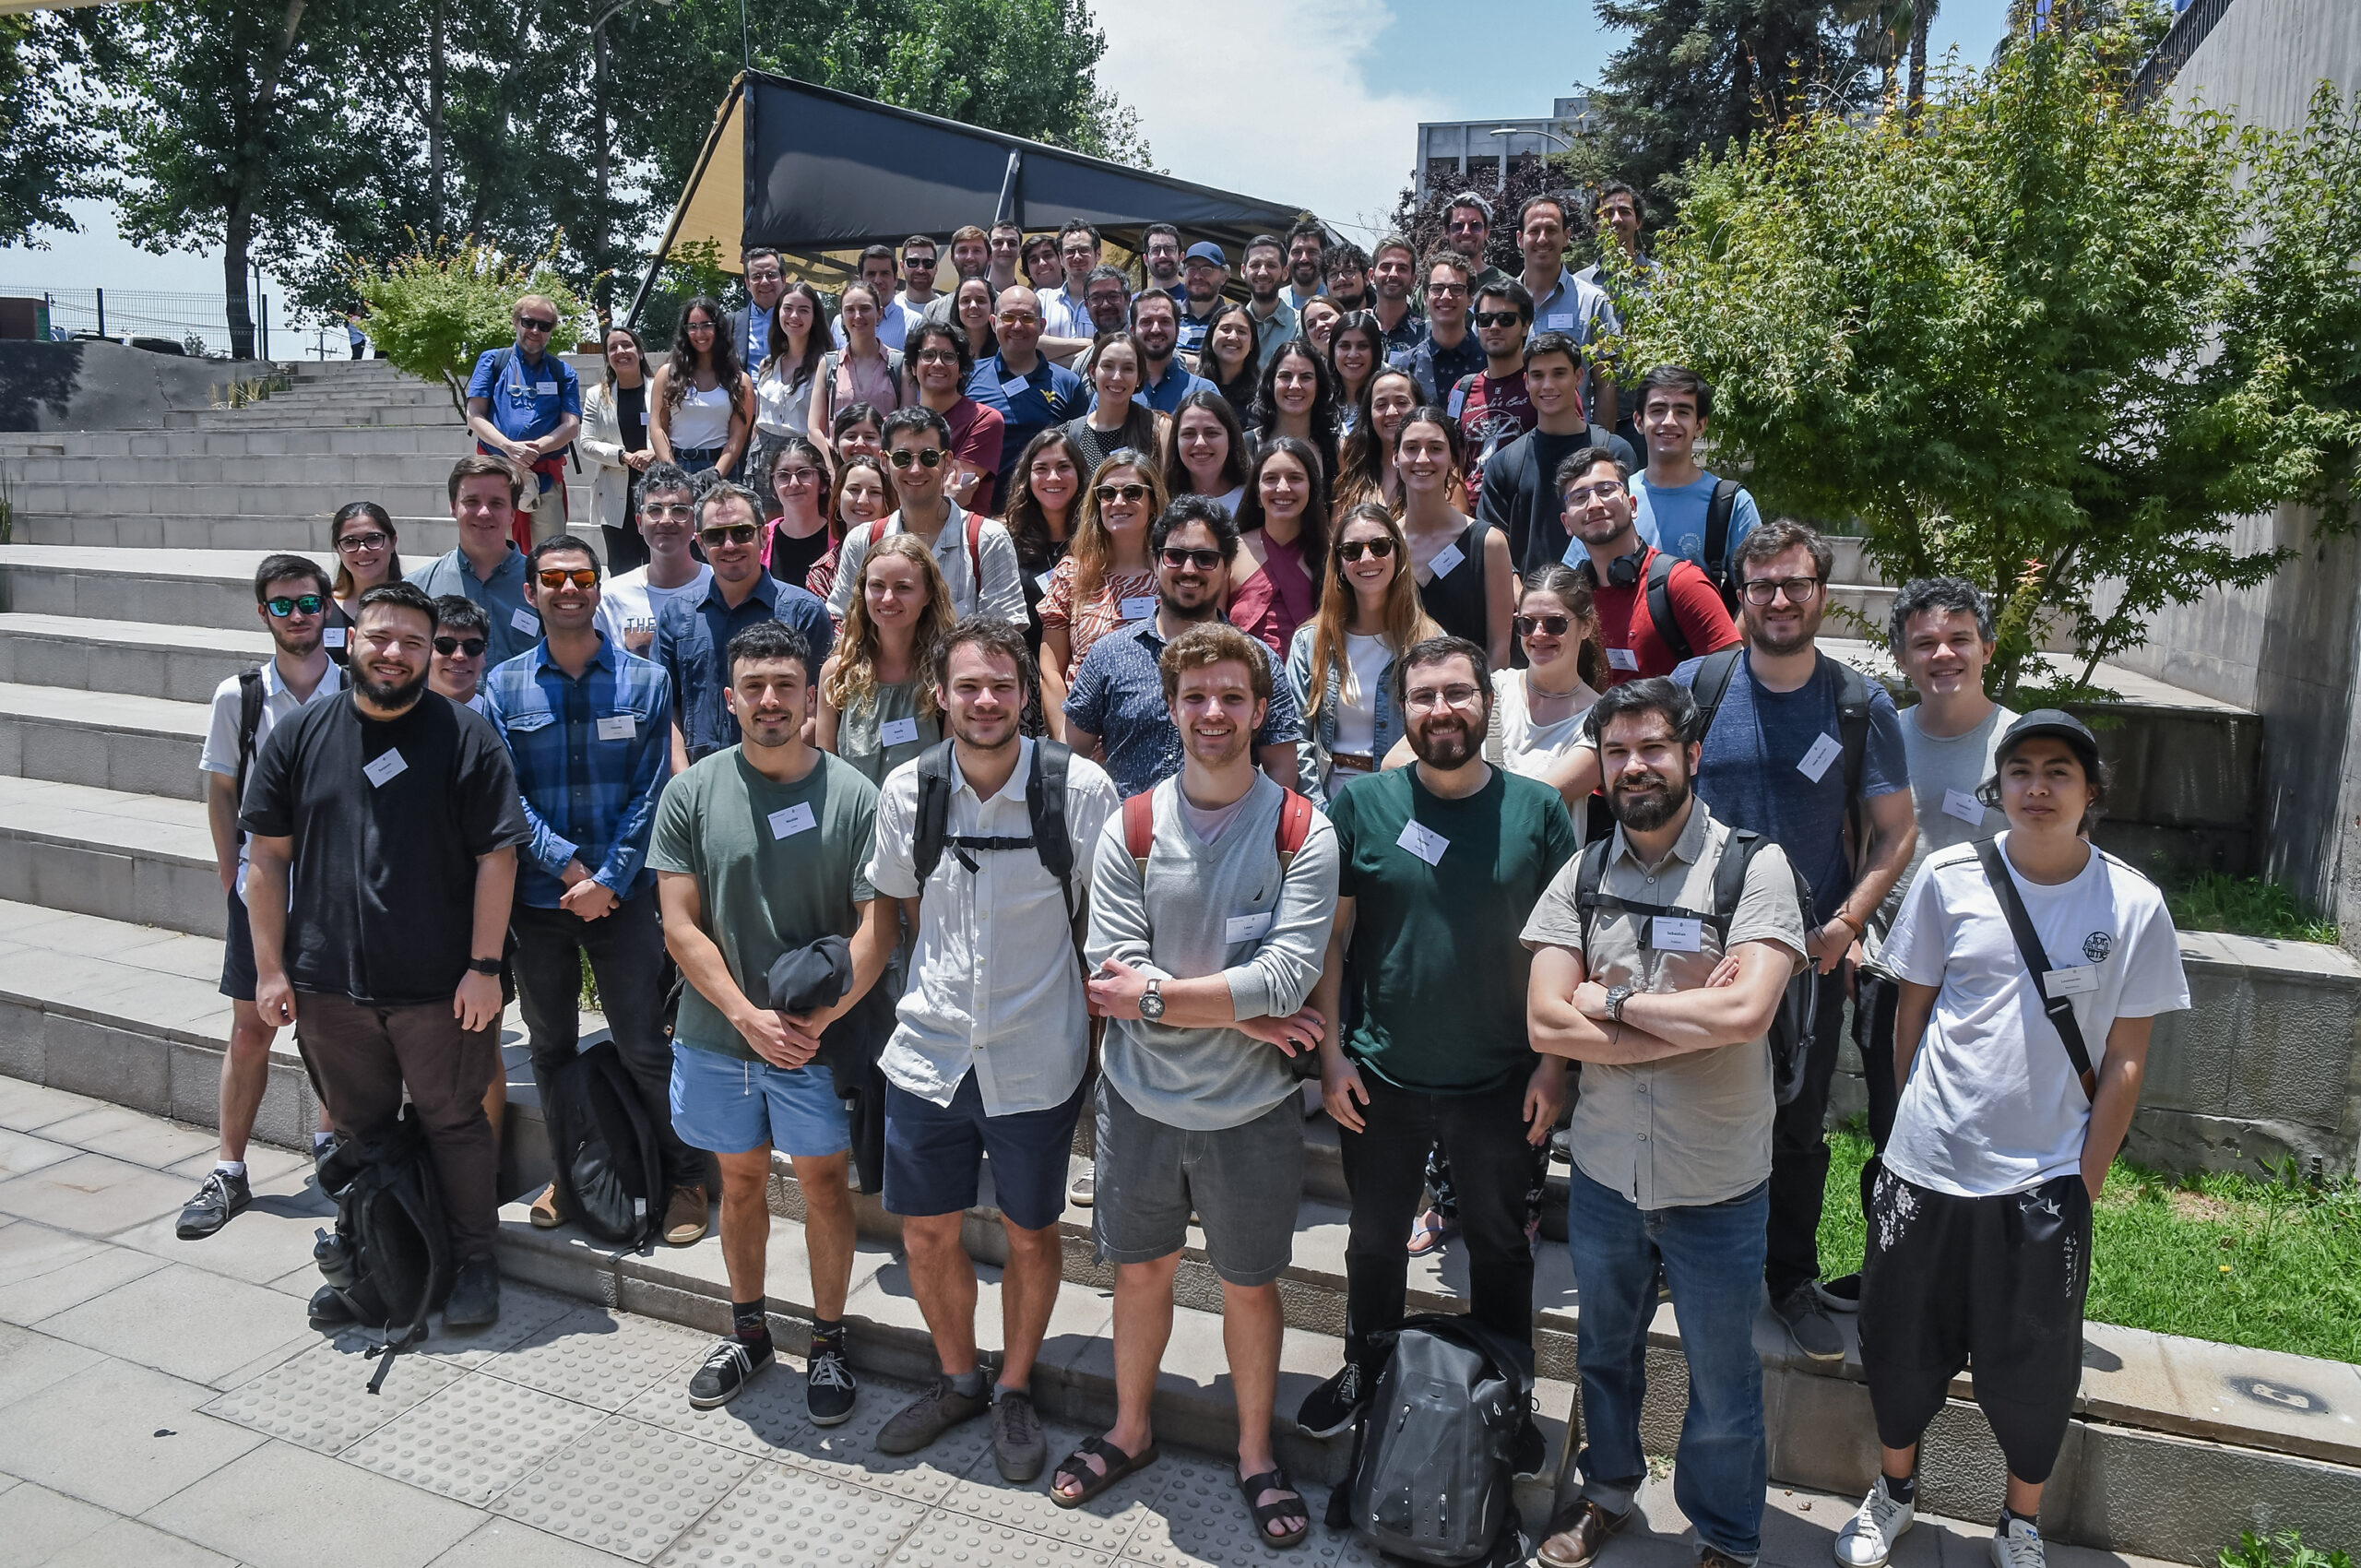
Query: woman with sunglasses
(1364,465)
(863,492)
(1295,399)
(864,370)
(1042,501)
(1108,578)
(1283,542)
(1207,454)
(877,707)
(703,412)
(1115,421)
(783,382)
(367,555)
(939,359)
(971,306)
(1231,356)
(1341,665)
(798,535)
(614,440)
(1356,352)
(1466,579)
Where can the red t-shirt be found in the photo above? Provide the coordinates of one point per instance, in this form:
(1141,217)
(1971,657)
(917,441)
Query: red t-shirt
(976,435)
(1633,649)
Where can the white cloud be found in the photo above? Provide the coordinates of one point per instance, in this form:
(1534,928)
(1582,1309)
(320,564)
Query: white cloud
(1268,98)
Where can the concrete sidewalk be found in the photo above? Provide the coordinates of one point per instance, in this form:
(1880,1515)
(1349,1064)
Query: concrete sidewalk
(162,1402)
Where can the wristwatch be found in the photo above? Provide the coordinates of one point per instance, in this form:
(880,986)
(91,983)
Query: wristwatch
(484,965)
(1615,996)
(1152,1001)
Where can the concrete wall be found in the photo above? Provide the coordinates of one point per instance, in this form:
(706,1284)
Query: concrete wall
(105,385)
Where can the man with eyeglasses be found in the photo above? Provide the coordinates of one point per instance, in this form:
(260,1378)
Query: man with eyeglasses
(1448,351)
(1518,493)
(1307,237)
(456,670)
(1276,321)
(971,256)
(291,601)
(590,729)
(693,630)
(1800,749)
(1108,295)
(1468,229)
(1563,301)
(629,606)
(1345,268)
(750,324)
(1438,866)
(1204,274)
(488,566)
(1116,698)
(1028,392)
(1492,406)
(1161,259)
(525,404)
(1065,313)
(1392,281)
(1655,611)
(1164,379)
(977,557)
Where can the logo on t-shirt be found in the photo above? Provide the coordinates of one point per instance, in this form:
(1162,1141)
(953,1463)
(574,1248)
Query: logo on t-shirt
(2097,946)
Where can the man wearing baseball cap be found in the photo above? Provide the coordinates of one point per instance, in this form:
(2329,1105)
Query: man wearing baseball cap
(1205,272)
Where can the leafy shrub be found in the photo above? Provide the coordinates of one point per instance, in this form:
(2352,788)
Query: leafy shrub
(434,311)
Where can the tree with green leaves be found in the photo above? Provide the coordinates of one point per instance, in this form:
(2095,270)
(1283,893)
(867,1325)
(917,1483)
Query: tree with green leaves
(434,311)
(2043,341)
(48,153)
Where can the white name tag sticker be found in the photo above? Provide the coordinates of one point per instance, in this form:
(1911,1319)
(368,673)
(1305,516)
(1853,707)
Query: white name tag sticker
(897,732)
(389,764)
(332,637)
(1458,401)
(1042,582)
(1825,750)
(1447,560)
(1622,659)
(1246,928)
(1561,321)
(527,622)
(1965,806)
(794,820)
(1014,389)
(545,389)
(2080,980)
(618,727)
(1424,842)
(1670,933)
(1136,607)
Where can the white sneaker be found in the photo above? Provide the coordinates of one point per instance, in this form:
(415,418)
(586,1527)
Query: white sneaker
(1868,1538)
(2017,1545)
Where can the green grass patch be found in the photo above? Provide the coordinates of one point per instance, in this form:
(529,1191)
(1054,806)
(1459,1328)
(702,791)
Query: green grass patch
(2273,1262)
(2249,906)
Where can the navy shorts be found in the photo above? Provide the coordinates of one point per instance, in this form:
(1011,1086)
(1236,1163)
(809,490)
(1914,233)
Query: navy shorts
(238,977)
(933,1152)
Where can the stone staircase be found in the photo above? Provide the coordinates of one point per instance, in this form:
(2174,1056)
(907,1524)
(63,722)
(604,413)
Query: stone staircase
(124,597)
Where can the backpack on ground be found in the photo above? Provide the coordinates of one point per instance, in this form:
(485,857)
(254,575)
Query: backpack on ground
(1045,811)
(1432,1479)
(390,1260)
(609,1165)
(1791,1027)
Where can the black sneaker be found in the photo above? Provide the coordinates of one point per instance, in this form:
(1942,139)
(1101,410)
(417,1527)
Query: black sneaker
(828,1387)
(1840,1295)
(474,1302)
(729,1368)
(1336,1404)
(1807,1325)
(327,1310)
(219,1197)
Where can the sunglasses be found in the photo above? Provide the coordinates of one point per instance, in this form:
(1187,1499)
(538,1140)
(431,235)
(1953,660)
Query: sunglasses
(580,576)
(1468,226)
(305,604)
(470,648)
(1107,492)
(1496,318)
(534,323)
(1353,549)
(352,542)
(728,533)
(1203,560)
(918,263)
(1548,625)
(903,457)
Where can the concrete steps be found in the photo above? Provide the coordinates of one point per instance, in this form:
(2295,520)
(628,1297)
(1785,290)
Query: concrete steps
(177,663)
(166,587)
(420,494)
(240,441)
(136,859)
(102,740)
(423,537)
(356,472)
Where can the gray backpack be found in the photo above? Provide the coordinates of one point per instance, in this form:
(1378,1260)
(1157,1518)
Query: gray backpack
(1432,1479)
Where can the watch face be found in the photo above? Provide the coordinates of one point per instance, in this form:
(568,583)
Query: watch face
(1151,1006)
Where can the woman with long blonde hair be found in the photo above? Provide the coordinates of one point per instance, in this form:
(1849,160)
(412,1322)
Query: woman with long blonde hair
(1108,578)
(877,706)
(1342,662)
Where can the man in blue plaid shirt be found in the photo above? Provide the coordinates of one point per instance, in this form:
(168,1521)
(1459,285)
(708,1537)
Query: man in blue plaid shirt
(589,726)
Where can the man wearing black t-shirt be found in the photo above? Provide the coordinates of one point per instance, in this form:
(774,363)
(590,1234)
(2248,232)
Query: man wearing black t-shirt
(385,830)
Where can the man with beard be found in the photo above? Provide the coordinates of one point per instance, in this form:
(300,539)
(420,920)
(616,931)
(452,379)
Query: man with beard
(291,601)
(1392,276)
(1276,321)
(1655,611)
(1661,977)
(1345,267)
(393,819)
(1161,259)
(1307,240)
(1799,748)
(971,256)
(993,1035)
(1164,380)
(1204,274)
(1438,865)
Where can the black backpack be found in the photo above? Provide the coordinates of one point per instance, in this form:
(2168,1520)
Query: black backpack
(1431,1477)
(1791,1027)
(1718,541)
(250,699)
(390,1260)
(1045,810)
(609,1167)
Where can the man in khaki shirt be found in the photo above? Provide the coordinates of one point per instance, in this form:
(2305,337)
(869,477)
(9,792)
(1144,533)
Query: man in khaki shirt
(1667,1002)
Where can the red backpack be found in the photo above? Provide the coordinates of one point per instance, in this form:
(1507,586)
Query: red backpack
(1139,827)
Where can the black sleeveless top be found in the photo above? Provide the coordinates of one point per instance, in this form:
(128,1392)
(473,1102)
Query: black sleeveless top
(1456,598)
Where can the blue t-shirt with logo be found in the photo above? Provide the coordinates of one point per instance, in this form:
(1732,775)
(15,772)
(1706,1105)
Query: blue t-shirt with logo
(1672,517)
(527,400)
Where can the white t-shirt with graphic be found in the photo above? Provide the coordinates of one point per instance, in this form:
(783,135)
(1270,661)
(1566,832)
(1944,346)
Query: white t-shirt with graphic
(628,606)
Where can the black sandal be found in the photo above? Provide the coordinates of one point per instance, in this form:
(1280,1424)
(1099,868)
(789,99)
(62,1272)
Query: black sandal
(1268,1513)
(1076,1467)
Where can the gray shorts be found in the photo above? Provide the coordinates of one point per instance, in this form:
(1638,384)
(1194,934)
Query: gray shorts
(1244,1182)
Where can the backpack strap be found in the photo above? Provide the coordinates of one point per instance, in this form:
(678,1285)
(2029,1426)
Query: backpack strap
(1714,672)
(250,699)
(1045,808)
(1296,813)
(1717,533)
(1729,876)
(975,567)
(1586,881)
(1139,829)
(1667,624)
(2059,1009)
(934,809)
(1852,726)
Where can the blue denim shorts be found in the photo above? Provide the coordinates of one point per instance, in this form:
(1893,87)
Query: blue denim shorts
(732,1106)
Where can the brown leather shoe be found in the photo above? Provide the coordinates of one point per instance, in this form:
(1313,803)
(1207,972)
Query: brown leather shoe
(1707,1557)
(544,1214)
(684,1216)
(1577,1531)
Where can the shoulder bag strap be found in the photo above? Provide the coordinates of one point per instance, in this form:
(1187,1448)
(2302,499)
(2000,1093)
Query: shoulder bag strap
(1712,684)
(2061,1009)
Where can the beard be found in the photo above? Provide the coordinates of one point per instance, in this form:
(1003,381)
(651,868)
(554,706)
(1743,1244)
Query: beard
(386,695)
(1645,813)
(1444,743)
(1807,627)
(300,644)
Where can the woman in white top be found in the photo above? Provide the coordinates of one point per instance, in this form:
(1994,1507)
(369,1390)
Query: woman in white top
(1205,454)
(615,443)
(783,382)
(1979,1225)
(703,404)
(1341,663)
(864,370)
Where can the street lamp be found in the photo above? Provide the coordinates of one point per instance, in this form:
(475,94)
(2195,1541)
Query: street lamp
(1566,142)
(599,100)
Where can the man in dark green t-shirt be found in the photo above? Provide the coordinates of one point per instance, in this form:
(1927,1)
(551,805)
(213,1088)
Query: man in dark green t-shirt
(1439,863)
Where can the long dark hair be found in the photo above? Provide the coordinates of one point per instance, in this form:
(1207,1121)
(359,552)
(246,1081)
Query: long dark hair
(990,344)
(1240,392)
(377,515)
(1265,419)
(1360,468)
(815,342)
(1235,468)
(1138,429)
(609,365)
(1572,589)
(1029,525)
(725,370)
(1312,530)
(1366,324)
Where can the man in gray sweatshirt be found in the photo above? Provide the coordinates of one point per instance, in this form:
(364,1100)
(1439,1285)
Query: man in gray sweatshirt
(1211,898)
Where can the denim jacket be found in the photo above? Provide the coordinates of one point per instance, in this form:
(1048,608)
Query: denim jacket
(1320,733)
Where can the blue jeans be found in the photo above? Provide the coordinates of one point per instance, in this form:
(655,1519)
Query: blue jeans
(1712,1260)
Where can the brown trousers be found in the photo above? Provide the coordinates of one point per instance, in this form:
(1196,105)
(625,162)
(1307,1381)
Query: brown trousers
(361,1058)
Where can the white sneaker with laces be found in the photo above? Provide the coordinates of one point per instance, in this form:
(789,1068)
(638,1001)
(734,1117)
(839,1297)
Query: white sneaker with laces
(1868,1538)
(2017,1544)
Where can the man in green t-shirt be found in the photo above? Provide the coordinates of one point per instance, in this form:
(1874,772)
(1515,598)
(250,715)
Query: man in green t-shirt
(1439,863)
(760,850)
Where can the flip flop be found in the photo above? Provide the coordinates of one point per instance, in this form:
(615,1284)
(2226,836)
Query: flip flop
(1267,1513)
(1429,1238)
(1076,1467)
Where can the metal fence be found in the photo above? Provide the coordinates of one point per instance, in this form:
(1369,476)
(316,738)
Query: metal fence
(198,323)
(2188,30)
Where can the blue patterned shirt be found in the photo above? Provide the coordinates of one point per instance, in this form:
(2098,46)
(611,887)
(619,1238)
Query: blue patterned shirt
(592,755)
(1118,696)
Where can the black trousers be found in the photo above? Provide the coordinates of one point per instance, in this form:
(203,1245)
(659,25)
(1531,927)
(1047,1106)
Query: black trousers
(626,951)
(1799,1152)
(1385,1170)
(1875,1000)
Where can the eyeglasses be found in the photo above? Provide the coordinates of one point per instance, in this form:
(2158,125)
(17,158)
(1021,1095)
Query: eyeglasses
(580,576)
(937,356)
(1496,318)
(1107,492)
(804,475)
(1446,290)
(1548,625)
(650,511)
(303,604)
(1018,318)
(469,648)
(1763,590)
(700,326)
(1203,560)
(1448,696)
(1584,495)
(353,542)
(1353,549)
(728,533)
(902,456)
(534,323)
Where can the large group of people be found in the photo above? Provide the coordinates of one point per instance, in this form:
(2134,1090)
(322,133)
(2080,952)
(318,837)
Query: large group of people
(1107,698)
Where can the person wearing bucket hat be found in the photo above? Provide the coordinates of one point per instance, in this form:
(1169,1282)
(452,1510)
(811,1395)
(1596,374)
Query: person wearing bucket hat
(2032,969)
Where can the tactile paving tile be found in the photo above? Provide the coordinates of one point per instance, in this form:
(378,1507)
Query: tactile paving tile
(524,1312)
(473,1439)
(627,1488)
(954,1540)
(1199,1519)
(320,1399)
(765,1418)
(850,1452)
(785,1518)
(1104,1524)
(597,1358)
